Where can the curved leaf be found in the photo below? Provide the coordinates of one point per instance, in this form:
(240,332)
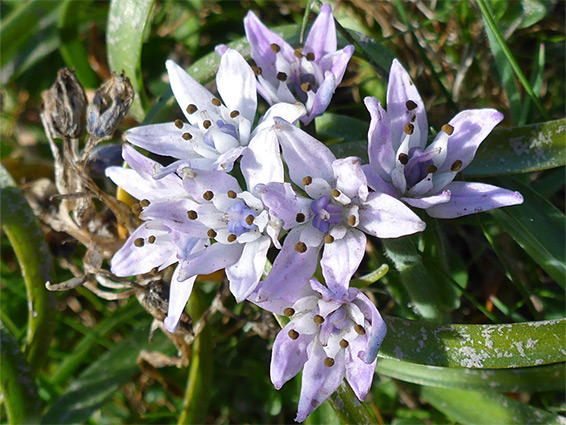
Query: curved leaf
(475,346)
(527,379)
(469,407)
(26,238)
(127,21)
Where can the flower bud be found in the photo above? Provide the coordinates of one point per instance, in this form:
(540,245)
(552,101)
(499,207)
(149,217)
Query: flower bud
(110,104)
(64,105)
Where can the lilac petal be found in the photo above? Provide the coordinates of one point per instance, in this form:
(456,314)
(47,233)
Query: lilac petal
(376,182)
(470,198)
(164,139)
(220,49)
(471,127)
(278,305)
(341,259)
(261,39)
(322,97)
(304,155)
(283,202)
(225,162)
(400,90)
(428,201)
(380,150)
(319,381)
(376,332)
(187,91)
(201,181)
(216,257)
(179,293)
(288,355)
(322,36)
(290,112)
(350,178)
(386,217)
(245,274)
(261,163)
(358,373)
(290,271)
(236,84)
(337,63)
(132,260)
(174,215)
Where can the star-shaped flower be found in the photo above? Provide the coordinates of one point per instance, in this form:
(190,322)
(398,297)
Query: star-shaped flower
(402,165)
(289,75)
(329,336)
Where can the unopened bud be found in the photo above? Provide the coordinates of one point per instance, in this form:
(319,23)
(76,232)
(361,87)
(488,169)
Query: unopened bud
(110,104)
(64,105)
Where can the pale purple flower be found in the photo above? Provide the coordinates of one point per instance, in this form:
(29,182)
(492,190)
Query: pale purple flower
(402,165)
(219,129)
(329,336)
(337,212)
(290,75)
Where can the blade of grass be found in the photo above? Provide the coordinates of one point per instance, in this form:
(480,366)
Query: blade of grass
(500,44)
(535,81)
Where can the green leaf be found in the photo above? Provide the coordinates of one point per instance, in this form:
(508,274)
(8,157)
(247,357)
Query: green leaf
(18,386)
(103,378)
(26,238)
(127,21)
(348,407)
(486,407)
(527,379)
(504,59)
(521,150)
(475,346)
(538,227)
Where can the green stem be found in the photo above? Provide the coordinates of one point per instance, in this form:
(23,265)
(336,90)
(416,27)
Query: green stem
(28,242)
(199,383)
(348,408)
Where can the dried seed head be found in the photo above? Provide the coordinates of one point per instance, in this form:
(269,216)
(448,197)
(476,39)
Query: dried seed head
(232,237)
(192,215)
(360,330)
(300,247)
(139,242)
(318,319)
(288,312)
(300,218)
(109,106)
(307,180)
(208,195)
(328,362)
(293,334)
(403,158)
(64,105)
(456,165)
(448,129)
(409,128)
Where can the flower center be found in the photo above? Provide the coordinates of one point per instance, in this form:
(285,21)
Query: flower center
(325,213)
(240,219)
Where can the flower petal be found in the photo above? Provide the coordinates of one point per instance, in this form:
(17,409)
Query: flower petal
(319,381)
(215,257)
(261,163)
(358,373)
(470,198)
(244,275)
(197,182)
(428,201)
(284,203)
(322,97)
(471,127)
(350,179)
(377,330)
(341,259)
(337,63)
(380,150)
(376,182)
(236,84)
(290,112)
(187,91)
(386,217)
(322,36)
(304,155)
(179,293)
(400,90)
(288,355)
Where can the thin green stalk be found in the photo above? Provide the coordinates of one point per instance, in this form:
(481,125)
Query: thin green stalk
(509,56)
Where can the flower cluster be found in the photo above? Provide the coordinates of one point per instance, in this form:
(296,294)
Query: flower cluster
(293,196)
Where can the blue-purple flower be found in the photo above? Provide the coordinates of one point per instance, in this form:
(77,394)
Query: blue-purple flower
(329,336)
(219,129)
(336,213)
(289,75)
(402,165)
